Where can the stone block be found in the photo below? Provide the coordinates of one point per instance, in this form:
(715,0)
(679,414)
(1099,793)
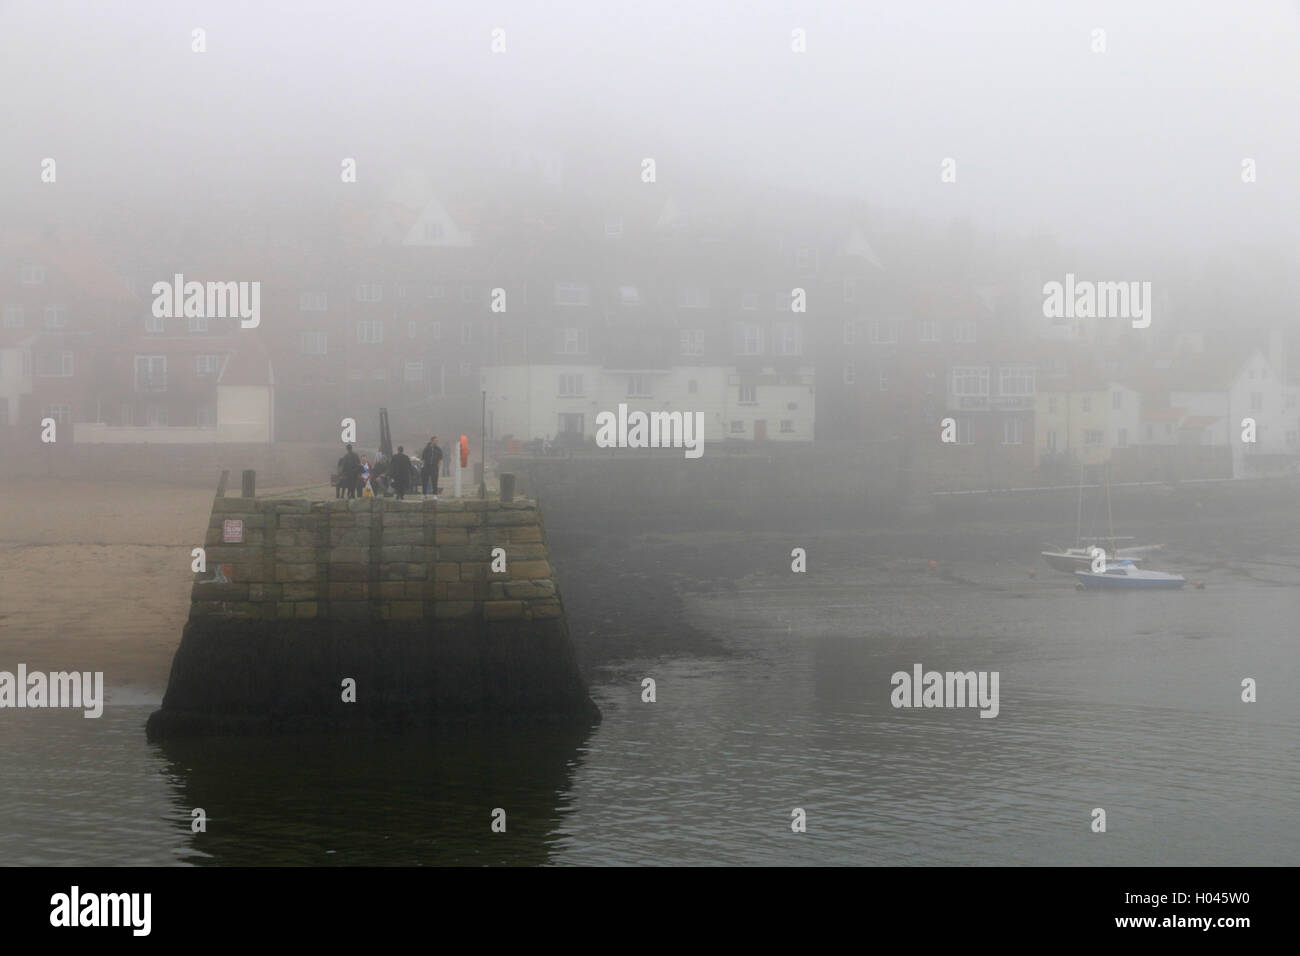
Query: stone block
(404,610)
(392,589)
(451,536)
(291,592)
(528,570)
(525,534)
(511,518)
(305,609)
(530,589)
(446,571)
(454,591)
(295,555)
(349,572)
(463,519)
(473,571)
(237,591)
(400,536)
(390,554)
(295,572)
(348,591)
(349,555)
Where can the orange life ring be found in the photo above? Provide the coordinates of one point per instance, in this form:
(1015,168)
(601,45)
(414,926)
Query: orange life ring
(464,451)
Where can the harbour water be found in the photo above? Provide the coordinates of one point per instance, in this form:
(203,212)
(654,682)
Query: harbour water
(1127,702)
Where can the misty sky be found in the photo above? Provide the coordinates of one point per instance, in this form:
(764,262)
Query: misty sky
(1138,146)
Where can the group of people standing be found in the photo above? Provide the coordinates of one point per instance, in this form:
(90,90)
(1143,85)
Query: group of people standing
(357,477)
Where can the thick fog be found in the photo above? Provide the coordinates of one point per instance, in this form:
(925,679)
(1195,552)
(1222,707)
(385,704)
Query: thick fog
(1135,151)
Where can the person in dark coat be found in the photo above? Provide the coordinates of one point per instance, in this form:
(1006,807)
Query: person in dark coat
(400,472)
(428,473)
(350,471)
(435,463)
(339,481)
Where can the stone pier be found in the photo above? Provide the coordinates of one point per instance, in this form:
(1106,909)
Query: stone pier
(436,611)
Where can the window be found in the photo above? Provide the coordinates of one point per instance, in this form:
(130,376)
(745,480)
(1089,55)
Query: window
(571,341)
(1256,401)
(315,343)
(466,333)
(370,331)
(1117,399)
(737,428)
(1051,441)
(850,328)
(155,415)
(435,331)
(151,373)
(207,364)
(884,381)
(1121,438)
(1016,381)
(1290,400)
(692,386)
(787,425)
(964,332)
(356,374)
(198,323)
(692,341)
(60,413)
(970,380)
(1012,431)
(413,372)
(437,292)
(571,385)
(848,374)
(693,297)
(206,416)
(1150,433)
(929,331)
(571,424)
(466,369)
(749,301)
(638,386)
(432,231)
(965,432)
(53,364)
(55,317)
(749,340)
(883,332)
(629,295)
(850,289)
(613,228)
(1051,405)
(803,258)
(13,317)
(312,302)
(1085,403)
(749,394)
(154,323)
(411,331)
(1092,436)
(33,274)
(572,293)
(787,339)
(368,292)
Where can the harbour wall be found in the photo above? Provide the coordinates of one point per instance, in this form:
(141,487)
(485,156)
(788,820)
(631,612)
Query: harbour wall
(434,610)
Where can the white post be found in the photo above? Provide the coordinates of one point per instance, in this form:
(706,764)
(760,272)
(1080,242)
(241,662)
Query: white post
(455,467)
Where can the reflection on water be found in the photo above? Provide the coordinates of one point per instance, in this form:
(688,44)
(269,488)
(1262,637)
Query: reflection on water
(1129,704)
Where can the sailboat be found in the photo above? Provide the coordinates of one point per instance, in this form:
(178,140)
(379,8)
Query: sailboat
(1125,574)
(1079,557)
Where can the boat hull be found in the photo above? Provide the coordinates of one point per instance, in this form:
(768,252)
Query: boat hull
(1118,582)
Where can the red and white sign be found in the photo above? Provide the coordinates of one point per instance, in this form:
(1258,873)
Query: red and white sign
(232,531)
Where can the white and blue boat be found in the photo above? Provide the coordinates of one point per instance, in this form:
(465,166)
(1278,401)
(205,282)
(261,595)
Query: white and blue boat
(1126,574)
